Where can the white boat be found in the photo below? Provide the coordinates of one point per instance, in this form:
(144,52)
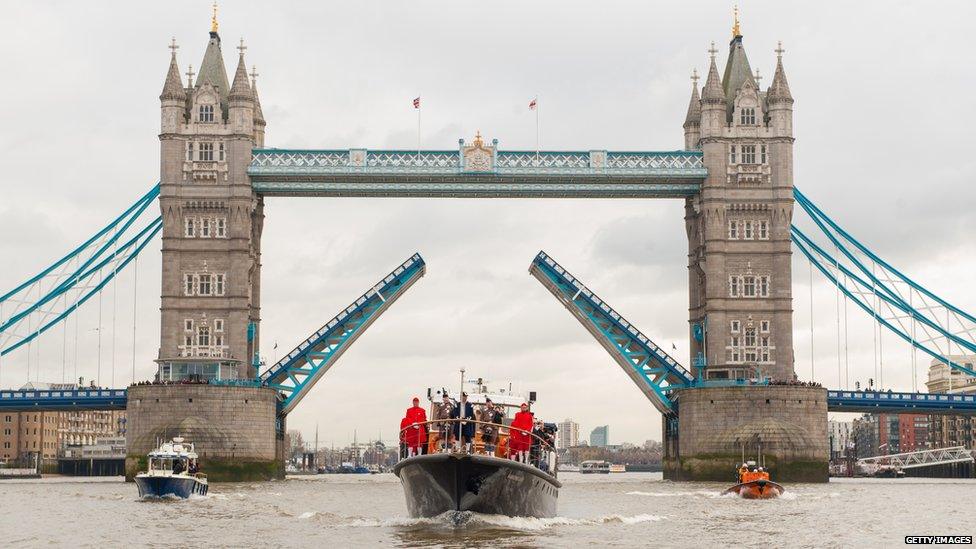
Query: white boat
(594,466)
(173,471)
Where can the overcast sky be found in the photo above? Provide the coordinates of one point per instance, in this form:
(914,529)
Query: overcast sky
(884,115)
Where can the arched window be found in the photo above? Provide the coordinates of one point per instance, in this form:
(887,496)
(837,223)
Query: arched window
(206,113)
(747,116)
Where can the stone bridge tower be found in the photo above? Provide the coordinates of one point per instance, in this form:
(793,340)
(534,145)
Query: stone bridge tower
(739,250)
(212,220)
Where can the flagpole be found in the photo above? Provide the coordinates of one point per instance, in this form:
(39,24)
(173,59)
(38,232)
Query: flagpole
(418,133)
(537,129)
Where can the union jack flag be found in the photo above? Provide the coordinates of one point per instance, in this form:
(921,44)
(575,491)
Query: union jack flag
(416,102)
(532,105)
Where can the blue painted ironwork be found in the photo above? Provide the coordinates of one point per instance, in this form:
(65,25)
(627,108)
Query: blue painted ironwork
(922,403)
(441,173)
(295,374)
(52,295)
(653,370)
(54,400)
(894,301)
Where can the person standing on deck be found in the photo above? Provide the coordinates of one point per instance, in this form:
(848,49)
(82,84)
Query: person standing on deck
(464,429)
(489,433)
(520,438)
(416,434)
(443,411)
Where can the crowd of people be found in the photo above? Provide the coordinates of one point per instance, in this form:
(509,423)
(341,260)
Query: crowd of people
(794,383)
(456,425)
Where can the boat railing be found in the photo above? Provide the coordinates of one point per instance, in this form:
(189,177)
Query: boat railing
(545,458)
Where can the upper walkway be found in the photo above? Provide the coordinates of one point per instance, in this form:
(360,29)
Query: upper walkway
(477,170)
(44,400)
(900,403)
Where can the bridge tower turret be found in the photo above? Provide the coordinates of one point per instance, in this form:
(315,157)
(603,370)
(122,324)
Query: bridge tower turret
(212,221)
(739,249)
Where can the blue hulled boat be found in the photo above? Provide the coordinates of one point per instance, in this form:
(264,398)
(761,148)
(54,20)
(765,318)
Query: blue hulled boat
(173,471)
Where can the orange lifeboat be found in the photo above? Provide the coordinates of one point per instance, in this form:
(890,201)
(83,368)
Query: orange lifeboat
(754,483)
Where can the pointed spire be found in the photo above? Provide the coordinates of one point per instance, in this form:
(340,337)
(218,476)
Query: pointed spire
(173,88)
(737,69)
(212,68)
(779,90)
(712,92)
(258,113)
(693,118)
(240,90)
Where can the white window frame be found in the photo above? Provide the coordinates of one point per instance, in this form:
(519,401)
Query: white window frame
(205,114)
(219,284)
(735,326)
(189,151)
(220,227)
(218,325)
(763,230)
(204,227)
(762,286)
(732,155)
(733,229)
(220,151)
(734,286)
(205,284)
(189,285)
(747,116)
(187,324)
(764,326)
(206,153)
(749,286)
(747,232)
(748,154)
(190,227)
(763,159)
(203,336)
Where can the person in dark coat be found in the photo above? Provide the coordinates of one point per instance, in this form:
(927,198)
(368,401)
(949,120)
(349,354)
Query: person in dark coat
(464,429)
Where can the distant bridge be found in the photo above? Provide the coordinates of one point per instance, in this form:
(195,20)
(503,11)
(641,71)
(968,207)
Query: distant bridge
(900,403)
(920,458)
(56,400)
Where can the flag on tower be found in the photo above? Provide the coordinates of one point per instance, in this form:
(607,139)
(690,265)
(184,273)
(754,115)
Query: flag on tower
(532,104)
(416,102)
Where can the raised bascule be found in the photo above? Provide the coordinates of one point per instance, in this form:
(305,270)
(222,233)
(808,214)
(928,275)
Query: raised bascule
(734,173)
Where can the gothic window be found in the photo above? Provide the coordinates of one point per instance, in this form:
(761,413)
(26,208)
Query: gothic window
(188,341)
(731,154)
(749,286)
(203,336)
(736,349)
(205,284)
(763,230)
(764,354)
(733,229)
(218,340)
(189,151)
(206,113)
(218,323)
(747,230)
(221,227)
(734,326)
(748,154)
(190,228)
(205,228)
(219,286)
(220,151)
(188,324)
(206,152)
(764,326)
(187,284)
(734,283)
(763,286)
(747,116)
(762,154)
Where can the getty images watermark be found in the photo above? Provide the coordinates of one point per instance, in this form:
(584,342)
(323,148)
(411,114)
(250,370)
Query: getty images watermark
(938,540)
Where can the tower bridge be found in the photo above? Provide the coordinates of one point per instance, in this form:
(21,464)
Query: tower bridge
(734,174)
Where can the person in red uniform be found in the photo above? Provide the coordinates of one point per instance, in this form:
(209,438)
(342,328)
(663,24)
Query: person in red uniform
(416,433)
(520,440)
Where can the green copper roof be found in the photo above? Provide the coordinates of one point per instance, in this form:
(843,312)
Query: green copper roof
(737,70)
(212,69)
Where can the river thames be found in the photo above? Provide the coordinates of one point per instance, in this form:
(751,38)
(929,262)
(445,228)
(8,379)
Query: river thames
(620,510)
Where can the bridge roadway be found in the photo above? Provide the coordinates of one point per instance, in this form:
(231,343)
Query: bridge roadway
(837,401)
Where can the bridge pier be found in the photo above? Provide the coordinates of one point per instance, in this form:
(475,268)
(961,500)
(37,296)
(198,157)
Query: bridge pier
(232,427)
(787,424)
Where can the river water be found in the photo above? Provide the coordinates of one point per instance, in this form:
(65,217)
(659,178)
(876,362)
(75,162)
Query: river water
(620,510)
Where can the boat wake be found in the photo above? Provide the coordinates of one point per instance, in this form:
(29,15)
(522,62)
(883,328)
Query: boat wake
(469,521)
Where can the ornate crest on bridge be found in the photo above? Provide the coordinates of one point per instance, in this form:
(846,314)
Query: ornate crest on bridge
(478,157)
